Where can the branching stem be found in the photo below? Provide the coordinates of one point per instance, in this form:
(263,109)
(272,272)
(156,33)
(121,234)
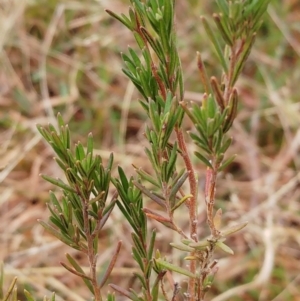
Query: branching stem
(192,206)
(92,257)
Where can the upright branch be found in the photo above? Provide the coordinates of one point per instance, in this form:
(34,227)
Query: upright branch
(156,72)
(192,206)
(80,215)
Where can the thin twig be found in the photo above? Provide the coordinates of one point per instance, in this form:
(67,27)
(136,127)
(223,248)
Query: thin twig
(81,275)
(210,191)
(229,76)
(111,264)
(92,257)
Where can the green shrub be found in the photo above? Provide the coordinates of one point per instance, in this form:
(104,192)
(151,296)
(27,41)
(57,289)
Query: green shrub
(90,192)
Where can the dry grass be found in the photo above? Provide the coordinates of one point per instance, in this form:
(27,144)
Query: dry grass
(62,55)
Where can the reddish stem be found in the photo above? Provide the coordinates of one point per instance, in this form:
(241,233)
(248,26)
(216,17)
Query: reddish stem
(192,206)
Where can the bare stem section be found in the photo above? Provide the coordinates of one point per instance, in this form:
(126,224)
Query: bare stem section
(210,191)
(92,256)
(192,206)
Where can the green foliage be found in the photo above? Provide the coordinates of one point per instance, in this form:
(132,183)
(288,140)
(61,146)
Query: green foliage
(158,77)
(83,210)
(131,205)
(85,192)
(79,215)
